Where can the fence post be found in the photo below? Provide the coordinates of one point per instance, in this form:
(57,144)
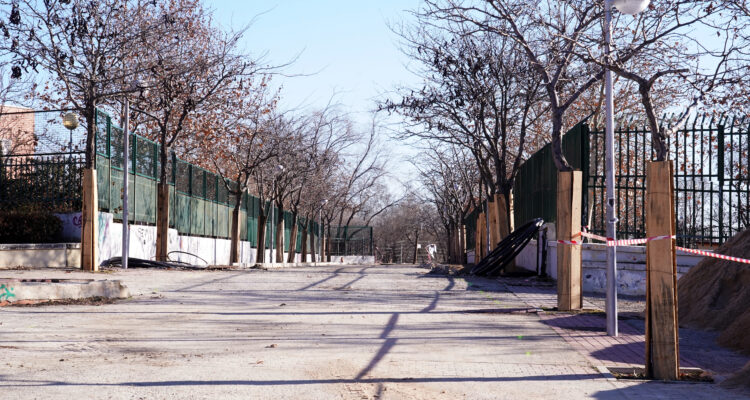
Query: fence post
(720,173)
(569,228)
(89,228)
(662,345)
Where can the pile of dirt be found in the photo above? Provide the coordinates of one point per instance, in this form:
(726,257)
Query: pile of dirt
(448,269)
(740,380)
(715,295)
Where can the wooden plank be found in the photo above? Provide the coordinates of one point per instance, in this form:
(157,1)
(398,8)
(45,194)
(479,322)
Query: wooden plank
(495,236)
(503,225)
(662,337)
(568,226)
(162,222)
(89,228)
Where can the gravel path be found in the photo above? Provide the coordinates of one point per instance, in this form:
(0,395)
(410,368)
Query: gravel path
(350,332)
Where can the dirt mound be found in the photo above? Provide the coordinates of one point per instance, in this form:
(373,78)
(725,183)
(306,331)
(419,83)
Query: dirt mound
(739,380)
(715,295)
(442,269)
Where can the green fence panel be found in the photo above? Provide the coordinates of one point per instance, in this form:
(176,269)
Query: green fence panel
(535,187)
(145,200)
(200,204)
(182,213)
(103,182)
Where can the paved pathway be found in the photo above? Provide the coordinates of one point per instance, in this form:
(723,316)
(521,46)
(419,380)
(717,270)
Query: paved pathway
(352,332)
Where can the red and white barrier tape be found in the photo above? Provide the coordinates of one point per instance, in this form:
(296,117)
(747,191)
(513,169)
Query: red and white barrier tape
(626,242)
(714,255)
(572,242)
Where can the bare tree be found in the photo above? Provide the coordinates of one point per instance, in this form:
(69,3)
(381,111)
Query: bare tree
(666,46)
(199,67)
(479,93)
(235,143)
(548,33)
(85,47)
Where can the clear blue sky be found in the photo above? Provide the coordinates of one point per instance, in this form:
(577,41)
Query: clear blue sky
(346,44)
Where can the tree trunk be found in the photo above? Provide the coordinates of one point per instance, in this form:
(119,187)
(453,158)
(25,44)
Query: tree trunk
(89,114)
(162,206)
(557,153)
(305,227)
(261,256)
(234,251)
(327,245)
(313,248)
(280,236)
(293,239)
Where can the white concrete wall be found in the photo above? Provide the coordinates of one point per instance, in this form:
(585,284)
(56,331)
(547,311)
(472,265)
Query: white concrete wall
(631,266)
(143,245)
(46,255)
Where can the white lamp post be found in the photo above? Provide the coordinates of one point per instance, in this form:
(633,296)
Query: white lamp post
(70,121)
(631,7)
(279,168)
(135,87)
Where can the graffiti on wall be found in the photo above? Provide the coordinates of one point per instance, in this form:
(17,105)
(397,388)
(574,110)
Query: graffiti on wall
(6,292)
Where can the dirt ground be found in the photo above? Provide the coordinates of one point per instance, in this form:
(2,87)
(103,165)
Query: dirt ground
(351,332)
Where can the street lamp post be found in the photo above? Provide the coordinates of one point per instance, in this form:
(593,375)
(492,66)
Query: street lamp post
(135,87)
(70,122)
(631,7)
(320,228)
(276,172)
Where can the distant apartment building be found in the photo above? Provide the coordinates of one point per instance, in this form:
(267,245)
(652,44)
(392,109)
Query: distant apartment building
(17,130)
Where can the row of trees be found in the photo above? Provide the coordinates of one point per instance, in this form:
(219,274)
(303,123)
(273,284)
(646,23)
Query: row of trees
(500,78)
(194,90)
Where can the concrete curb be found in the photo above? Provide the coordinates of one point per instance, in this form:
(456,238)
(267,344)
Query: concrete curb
(17,290)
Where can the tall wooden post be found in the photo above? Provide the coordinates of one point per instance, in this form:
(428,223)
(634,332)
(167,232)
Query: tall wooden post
(503,225)
(494,231)
(568,228)
(162,221)
(662,337)
(481,237)
(90,222)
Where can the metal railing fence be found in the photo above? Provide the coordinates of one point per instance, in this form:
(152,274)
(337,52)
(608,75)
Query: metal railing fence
(712,183)
(41,182)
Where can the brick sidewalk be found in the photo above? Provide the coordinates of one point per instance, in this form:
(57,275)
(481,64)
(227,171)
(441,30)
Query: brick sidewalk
(587,332)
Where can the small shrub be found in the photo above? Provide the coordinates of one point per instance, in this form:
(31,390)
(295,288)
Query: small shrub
(29,227)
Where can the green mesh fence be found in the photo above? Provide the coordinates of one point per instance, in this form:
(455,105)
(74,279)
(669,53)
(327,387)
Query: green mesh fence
(199,202)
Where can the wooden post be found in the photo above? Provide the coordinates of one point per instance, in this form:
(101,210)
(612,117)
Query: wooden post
(90,222)
(503,225)
(662,336)
(481,236)
(568,228)
(162,221)
(495,236)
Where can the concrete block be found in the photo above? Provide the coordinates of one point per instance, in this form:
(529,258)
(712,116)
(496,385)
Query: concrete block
(14,290)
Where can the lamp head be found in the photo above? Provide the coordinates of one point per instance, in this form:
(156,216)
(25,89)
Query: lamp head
(631,7)
(70,121)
